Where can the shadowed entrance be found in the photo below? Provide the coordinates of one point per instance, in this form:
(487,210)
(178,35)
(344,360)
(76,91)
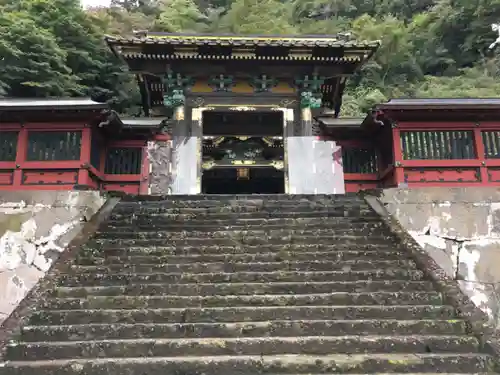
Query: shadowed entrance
(243,152)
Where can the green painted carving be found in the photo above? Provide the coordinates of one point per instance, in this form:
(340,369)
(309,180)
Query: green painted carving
(312,84)
(310,90)
(309,100)
(221,82)
(174,85)
(263,83)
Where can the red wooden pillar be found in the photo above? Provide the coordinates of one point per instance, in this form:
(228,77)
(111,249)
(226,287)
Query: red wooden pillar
(21,153)
(481,154)
(83,173)
(144,183)
(398,156)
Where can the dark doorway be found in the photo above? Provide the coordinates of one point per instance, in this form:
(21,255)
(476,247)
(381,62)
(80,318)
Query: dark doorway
(243,152)
(229,181)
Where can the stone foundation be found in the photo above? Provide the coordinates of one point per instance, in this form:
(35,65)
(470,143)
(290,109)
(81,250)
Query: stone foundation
(35,227)
(460,229)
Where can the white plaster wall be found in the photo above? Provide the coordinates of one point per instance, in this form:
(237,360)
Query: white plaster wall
(35,227)
(460,229)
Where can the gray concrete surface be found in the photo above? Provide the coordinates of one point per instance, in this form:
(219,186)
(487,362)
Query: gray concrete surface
(460,229)
(35,228)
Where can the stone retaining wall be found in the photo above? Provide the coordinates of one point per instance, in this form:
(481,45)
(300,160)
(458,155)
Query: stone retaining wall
(460,229)
(35,227)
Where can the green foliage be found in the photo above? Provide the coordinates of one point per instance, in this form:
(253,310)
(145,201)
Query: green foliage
(430,48)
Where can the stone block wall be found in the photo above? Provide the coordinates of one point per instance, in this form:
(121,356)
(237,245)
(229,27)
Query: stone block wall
(460,229)
(35,227)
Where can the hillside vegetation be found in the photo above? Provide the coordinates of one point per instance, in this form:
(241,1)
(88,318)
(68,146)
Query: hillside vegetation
(430,48)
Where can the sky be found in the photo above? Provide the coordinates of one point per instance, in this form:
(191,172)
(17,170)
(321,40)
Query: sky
(94,3)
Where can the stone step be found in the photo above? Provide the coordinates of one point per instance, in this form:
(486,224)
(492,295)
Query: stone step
(273,365)
(230,267)
(268,233)
(215,226)
(162,221)
(204,289)
(172,301)
(239,314)
(399,259)
(239,205)
(90,279)
(243,199)
(340,210)
(306,345)
(283,328)
(274,239)
(182,217)
(92,249)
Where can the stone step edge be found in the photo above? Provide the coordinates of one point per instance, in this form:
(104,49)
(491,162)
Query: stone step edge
(252,308)
(32,327)
(285,262)
(287,359)
(215,340)
(202,274)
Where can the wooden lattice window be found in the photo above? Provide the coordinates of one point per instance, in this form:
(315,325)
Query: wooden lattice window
(8,146)
(437,145)
(54,145)
(491,141)
(95,152)
(123,160)
(359,160)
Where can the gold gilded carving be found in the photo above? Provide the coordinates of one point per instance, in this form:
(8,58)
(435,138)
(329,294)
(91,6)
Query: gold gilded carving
(243,162)
(283,88)
(208,165)
(179,113)
(306,114)
(300,54)
(242,109)
(242,138)
(196,114)
(278,164)
(201,86)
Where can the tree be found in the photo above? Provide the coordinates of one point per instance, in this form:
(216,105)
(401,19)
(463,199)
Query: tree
(258,17)
(32,64)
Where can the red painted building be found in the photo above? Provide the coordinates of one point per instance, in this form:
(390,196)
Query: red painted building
(61,144)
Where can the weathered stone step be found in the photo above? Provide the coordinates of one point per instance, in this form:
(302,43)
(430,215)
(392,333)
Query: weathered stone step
(90,279)
(243,199)
(230,267)
(283,328)
(306,345)
(172,301)
(346,233)
(161,221)
(244,288)
(240,314)
(214,226)
(251,211)
(183,217)
(272,365)
(152,199)
(274,239)
(347,250)
(347,257)
(239,205)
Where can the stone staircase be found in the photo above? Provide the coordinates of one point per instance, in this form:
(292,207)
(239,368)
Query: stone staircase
(221,285)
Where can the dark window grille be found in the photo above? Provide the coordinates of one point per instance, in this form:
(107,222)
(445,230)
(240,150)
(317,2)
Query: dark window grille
(437,145)
(124,160)
(359,160)
(95,152)
(491,141)
(8,146)
(54,146)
